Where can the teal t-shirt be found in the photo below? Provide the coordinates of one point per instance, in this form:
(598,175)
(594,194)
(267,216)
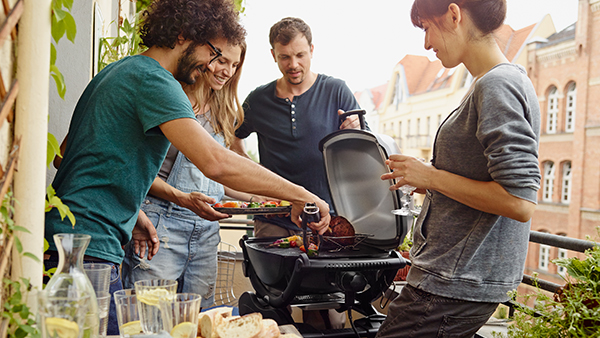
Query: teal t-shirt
(114,151)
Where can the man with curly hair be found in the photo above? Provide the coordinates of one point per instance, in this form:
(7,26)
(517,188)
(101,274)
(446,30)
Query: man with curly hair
(124,123)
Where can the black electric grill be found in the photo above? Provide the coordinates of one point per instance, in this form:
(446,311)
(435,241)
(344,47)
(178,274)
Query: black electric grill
(348,278)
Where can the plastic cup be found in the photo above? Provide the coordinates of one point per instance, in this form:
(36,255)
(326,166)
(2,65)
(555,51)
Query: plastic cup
(180,314)
(99,275)
(103,307)
(62,317)
(149,293)
(127,313)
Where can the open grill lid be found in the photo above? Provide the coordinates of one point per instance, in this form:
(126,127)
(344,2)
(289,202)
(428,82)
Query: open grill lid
(354,162)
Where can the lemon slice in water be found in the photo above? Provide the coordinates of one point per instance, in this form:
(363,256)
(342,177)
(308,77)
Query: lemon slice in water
(152,296)
(131,328)
(61,328)
(184,330)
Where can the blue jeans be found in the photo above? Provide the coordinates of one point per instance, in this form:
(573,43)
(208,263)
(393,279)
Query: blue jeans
(115,285)
(188,252)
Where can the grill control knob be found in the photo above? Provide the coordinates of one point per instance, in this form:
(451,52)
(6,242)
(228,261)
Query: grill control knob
(352,281)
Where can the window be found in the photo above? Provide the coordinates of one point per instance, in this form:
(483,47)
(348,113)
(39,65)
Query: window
(427,132)
(544,257)
(562,254)
(408,128)
(400,129)
(552,114)
(570,109)
(565,196)
(418,126)
(548,181)
(439,122)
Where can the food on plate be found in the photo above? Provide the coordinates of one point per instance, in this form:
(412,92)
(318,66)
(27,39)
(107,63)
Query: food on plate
(239,204)
(288,242)
(184,330)
(206,322)
(340,227)
(247,326)
(61,328)
(289,335)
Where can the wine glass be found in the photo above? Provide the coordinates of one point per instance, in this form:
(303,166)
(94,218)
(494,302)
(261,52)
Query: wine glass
(405,201)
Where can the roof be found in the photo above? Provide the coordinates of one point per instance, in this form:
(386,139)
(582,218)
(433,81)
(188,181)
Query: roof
(423,75)
(564,35)
(378,94)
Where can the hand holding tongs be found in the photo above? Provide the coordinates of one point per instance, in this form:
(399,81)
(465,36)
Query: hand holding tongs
(309,215)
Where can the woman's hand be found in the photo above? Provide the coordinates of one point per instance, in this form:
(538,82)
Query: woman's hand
(409,170)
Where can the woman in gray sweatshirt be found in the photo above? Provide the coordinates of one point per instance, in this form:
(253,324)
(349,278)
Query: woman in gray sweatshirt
(470,241)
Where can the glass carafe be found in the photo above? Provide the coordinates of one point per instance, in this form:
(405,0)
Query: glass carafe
(70,279)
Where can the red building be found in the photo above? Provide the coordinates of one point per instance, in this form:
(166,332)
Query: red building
(565,70)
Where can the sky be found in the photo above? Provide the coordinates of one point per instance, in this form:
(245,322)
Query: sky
(360,41)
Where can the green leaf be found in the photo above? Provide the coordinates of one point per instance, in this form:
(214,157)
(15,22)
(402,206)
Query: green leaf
(20,228)
(70,27)
(32,256)
(46,245)
(68,4)
(58,30)
(18,244)
(59,79)
(52,54)
(53,149)
(59,14)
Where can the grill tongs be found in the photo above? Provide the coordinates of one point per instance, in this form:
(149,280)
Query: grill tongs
(309,215)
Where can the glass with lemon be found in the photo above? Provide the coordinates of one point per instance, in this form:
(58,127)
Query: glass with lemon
(180,314)
(149,293)
(62,316)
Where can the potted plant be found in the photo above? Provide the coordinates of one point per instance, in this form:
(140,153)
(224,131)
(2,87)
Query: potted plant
(574,311)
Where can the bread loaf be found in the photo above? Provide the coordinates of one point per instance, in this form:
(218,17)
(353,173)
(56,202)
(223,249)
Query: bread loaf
(247,326)
(289,335)
(270,329)
(206,321)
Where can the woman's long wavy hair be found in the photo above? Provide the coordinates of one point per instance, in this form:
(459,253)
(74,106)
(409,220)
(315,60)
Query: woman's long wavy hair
(226,113)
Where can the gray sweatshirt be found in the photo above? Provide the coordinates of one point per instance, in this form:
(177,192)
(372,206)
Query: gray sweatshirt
(460,252)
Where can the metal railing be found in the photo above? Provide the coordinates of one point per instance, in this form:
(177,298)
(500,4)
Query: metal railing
(557,241)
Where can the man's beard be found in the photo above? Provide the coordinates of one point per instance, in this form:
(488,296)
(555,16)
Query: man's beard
(187,65)
(295,80)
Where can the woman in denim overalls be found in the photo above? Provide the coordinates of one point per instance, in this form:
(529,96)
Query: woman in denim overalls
(188,248)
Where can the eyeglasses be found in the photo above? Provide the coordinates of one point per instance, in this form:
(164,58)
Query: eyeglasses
(216,51)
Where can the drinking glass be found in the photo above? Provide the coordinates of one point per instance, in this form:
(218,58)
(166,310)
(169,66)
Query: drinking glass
(180,314)
(127,313)
(62,316)
(405,201)
(148,293)
(99,275)
(103,298)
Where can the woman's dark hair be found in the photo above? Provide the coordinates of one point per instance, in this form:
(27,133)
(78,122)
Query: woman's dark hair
(196,20)
(487,15)
(286,29)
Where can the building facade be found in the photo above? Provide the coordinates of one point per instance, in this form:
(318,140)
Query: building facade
(565,70)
